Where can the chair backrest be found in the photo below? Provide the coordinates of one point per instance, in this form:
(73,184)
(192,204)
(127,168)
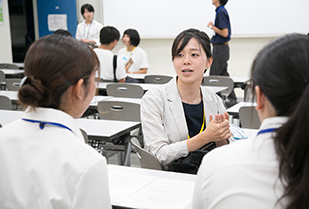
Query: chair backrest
(12,84)
(124,90)
(159,79)
(2,76)
(249,118)
(84,135)
(147,160)
(8,66)
(5,103)
(219,81)
(115,110)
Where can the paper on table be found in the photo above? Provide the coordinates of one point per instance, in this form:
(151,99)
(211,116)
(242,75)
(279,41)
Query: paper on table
(122,185)
(162,193)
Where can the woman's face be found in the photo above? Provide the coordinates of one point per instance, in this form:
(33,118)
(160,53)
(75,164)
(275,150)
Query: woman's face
(126,40)
(88,15)
(191,62)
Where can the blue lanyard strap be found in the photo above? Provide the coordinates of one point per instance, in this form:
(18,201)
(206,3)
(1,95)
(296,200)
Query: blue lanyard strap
(42,124)
(266,131)
(219,9)
(88,30)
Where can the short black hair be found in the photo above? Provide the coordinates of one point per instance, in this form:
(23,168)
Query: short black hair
(134,36)
(223,2)
(89,7)
(108,34)
(62,32)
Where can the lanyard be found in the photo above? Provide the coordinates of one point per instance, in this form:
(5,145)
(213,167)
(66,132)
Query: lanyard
(266,131)
(88,29)
(219,9)
(42,124)
(202,127)
(131,51)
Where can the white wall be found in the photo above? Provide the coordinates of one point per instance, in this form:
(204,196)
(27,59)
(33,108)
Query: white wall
(5,36)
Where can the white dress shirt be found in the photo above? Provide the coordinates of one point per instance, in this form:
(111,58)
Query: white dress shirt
(139,58)
(164,123)
(91,31)
(242,175)
(107,67)
(50,167)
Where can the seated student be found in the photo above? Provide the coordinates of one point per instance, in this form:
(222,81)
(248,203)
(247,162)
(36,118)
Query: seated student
(271,170)
(88,31)
(177,117)
(44,160)
(63,33)
(109,37)
(134,57)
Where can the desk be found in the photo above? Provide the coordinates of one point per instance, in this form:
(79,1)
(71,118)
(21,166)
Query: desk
(124,99)
(19,64)
(12,73)
(234,110)
(151,189)
(12,95)
(147,86)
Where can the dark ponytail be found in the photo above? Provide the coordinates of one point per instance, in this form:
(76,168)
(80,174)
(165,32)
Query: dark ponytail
(281,70)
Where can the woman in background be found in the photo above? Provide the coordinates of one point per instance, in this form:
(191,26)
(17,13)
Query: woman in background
(271,170)
(134,57)
(44,160)
(88,31)
(177,117)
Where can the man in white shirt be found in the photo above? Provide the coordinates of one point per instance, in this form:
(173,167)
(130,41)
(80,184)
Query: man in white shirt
(109,37)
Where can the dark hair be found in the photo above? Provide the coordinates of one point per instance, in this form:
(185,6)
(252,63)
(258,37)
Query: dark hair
(62,32)
(134,36)
(108,34)
(281,70)
(52,64)
(89,7)
(185,36)
(223,2)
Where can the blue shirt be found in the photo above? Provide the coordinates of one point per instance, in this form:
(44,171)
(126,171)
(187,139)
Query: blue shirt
(222,21)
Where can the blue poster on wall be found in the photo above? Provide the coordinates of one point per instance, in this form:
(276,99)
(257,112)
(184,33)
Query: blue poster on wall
(56,14)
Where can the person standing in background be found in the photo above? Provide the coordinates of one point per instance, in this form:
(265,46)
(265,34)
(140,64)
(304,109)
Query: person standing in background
(88,31)
(221,49)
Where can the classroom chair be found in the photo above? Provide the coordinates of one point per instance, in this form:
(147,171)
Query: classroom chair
(2,76)
(219,81)
(12,84)
(5,103)
(124,90)
(8,66)
(249,118)
(157,79)
(147,160)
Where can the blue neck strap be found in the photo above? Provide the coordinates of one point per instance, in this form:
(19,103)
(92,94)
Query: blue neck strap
(219,8)
(266,131)
(42,124)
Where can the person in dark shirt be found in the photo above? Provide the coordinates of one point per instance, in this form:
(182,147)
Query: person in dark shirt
(221,49)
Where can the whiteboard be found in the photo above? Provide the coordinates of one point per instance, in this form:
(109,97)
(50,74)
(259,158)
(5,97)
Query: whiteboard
(167,18)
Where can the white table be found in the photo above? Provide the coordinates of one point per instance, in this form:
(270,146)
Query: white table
(12,95)
(124,99)
(234,110)
(13,72)
(150,189)
(98,98)
(19,64)
(147,86)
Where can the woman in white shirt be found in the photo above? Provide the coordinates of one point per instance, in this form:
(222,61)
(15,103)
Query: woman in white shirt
(133,57)
(88,31)
(44,160)
(271,170)
(177,117)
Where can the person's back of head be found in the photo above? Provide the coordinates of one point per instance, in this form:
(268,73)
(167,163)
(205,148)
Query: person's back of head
(281,70)
(134,36)
(62,32)
(52,64)
(108,34)
(223,2)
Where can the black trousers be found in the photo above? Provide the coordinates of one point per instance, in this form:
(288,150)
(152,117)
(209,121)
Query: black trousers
(221,54)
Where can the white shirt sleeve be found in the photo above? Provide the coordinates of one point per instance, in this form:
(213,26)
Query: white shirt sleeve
(79,32)
(144,59)
(92,190)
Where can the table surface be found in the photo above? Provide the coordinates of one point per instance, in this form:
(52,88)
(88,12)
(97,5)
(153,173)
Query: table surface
(12,95)
(144,188)
(235,108)
(12,71)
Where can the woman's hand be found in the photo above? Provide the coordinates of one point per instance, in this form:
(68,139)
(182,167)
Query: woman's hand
(128,65)
(218,129)
(219,119)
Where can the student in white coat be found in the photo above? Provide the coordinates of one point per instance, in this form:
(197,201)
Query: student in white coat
(44,160)
(88,31)
(177,117)
(270,170)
